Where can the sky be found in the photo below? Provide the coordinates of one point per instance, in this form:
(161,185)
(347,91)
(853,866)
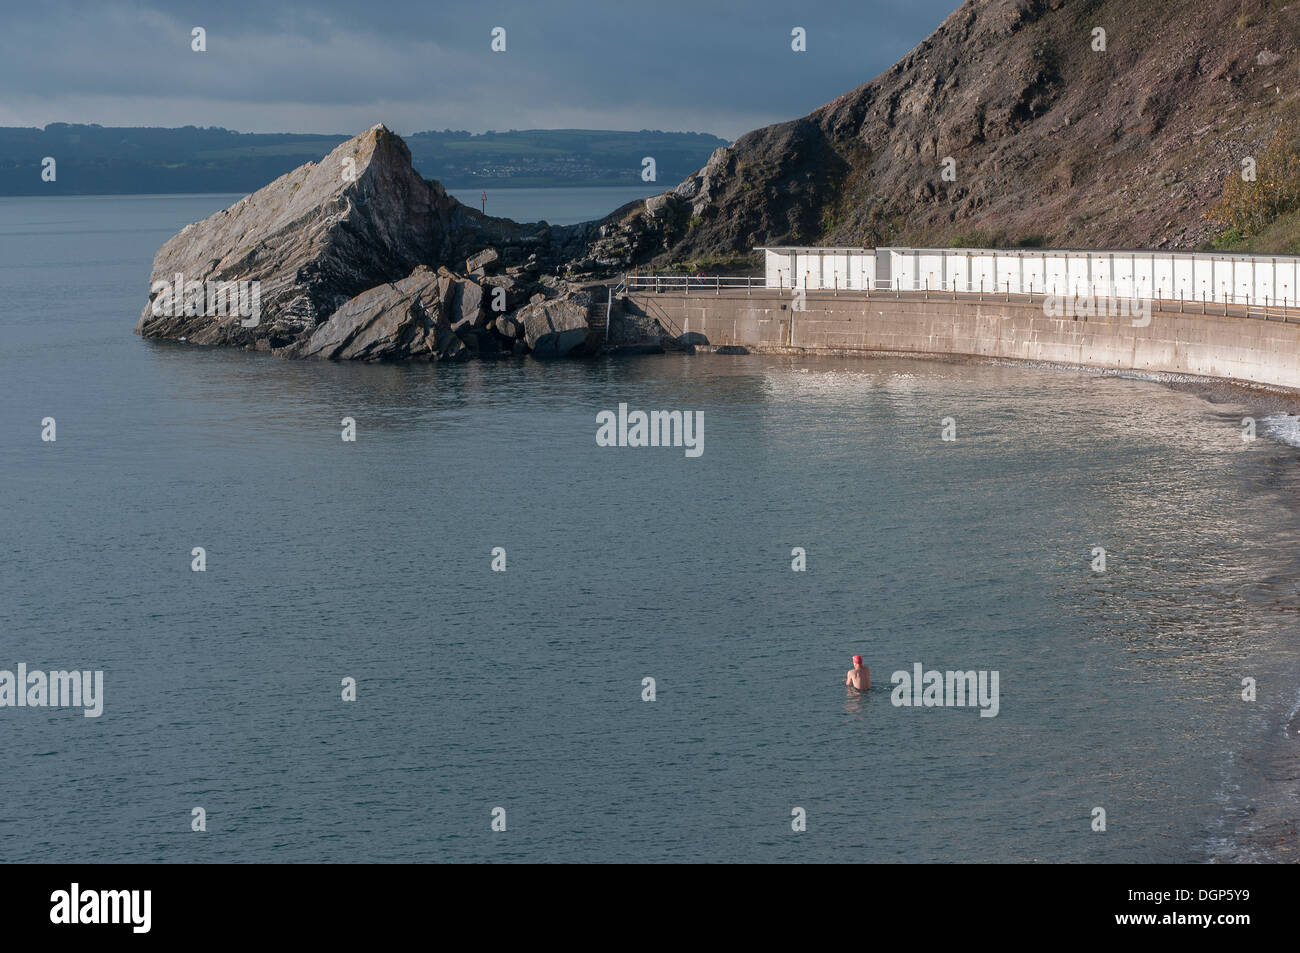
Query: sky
(340,66)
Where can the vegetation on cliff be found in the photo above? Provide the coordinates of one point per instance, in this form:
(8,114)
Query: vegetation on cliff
(1260,207)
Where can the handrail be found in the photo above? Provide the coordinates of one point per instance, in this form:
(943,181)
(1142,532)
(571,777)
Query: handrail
(619,288)
(661,283)
(1286,310)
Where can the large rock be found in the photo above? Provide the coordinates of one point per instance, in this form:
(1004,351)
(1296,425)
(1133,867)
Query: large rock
(555,328)
(313,239)
(336,260)
(482,261)
(661,206)
(515,293)
(394,321)
(467,307)
(507,327)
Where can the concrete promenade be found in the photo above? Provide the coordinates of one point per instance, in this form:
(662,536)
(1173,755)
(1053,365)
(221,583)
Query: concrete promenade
(1250,345)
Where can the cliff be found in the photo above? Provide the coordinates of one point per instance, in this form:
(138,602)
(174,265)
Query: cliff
(1053,142)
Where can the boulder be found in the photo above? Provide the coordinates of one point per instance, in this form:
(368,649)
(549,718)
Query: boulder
(507,327)
(466,309)
(482,261)
(516,293)
(397,320)
(661,206)
(555,328)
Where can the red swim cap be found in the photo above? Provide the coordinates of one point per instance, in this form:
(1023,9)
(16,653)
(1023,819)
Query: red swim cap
(857,660)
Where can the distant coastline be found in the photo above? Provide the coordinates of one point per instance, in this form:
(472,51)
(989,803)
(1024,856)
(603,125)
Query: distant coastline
(100,160)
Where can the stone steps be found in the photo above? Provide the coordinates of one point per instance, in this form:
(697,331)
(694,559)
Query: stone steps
(596,322)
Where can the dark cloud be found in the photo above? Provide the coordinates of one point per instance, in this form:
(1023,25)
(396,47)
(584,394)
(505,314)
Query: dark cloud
(721,67)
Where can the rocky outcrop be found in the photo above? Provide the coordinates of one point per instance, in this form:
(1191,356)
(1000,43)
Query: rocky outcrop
(401,320)
(347,259)
(313,239)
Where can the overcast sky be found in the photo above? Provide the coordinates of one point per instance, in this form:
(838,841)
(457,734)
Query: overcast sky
(719,66)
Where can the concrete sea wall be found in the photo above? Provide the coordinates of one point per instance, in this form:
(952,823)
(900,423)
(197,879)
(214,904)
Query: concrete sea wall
(1236,348)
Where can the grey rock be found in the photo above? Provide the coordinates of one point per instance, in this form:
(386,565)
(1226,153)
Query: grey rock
(466,307)
(507,327)
(661,206)
(688,188)
(314,238)
(555,328)
(485,258)
(394,321)
(515,289)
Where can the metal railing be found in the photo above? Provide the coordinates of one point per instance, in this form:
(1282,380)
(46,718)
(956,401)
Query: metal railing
(609,304)
(692,284)
(1269,309)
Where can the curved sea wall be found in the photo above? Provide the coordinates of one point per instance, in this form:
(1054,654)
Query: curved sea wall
(1227,347)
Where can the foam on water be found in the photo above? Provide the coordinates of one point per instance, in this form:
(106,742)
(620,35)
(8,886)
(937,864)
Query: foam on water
(1284,428)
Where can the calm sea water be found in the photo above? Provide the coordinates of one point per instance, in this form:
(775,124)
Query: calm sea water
(523,689)
(558,206)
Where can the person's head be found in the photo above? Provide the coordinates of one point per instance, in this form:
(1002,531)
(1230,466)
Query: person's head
(857,661)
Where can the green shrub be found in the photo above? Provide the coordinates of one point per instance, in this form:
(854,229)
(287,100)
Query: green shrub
(1229,240)
(1247,208)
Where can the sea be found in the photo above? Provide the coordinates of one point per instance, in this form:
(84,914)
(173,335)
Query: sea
(560,205)
(475,634)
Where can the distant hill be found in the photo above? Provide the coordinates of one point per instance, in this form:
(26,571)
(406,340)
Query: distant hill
(109,160)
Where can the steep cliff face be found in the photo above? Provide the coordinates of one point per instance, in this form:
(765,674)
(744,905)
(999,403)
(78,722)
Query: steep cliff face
(321,235)
(312,239)
(1051,140)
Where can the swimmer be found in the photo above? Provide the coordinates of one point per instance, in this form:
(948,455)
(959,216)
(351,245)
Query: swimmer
(859,676)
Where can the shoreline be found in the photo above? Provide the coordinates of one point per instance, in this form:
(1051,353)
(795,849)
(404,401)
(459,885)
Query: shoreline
(944,357)
(1261,825)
